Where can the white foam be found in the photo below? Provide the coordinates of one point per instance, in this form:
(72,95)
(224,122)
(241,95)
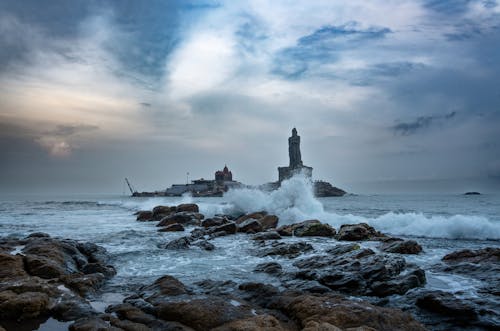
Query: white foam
(294,201)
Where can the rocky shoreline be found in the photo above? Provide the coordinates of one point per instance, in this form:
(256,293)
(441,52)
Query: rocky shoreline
(346,287)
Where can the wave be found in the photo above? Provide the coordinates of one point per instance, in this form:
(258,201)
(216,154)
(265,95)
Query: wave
(294,201)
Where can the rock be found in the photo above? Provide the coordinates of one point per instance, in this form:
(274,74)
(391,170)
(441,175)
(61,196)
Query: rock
(180,243)
(314,229)
(229,228)
(129,312)
(399,285)
(92,268)
(289,250)
(184,218)
(358,232)
(188,207)
(84,284)
(271,268)
(446,304)
(12,266)
(161,211)
(320,326)
(163,286)
(38,235)
(203,313)
(268,235)
(472,193)
(70,308)
(325,189)
(402,247)
(214,221)
(306,229)
(488,254)
(198,233)
(250,225)
(255,323)
(269,222)
(343,313)
(203,244)
(43,267)
(172,228)
(92,324)
(23,306)
(256,215)
(218,234)
(144,216)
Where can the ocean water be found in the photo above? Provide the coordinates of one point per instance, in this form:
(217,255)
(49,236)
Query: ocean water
(440,223)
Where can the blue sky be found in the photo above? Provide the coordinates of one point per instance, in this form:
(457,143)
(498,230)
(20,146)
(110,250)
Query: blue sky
(382,92)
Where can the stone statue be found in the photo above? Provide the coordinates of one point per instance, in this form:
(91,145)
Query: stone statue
(294,150)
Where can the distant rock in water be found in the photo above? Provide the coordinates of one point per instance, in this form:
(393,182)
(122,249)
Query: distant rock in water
(472,193)
(325,189)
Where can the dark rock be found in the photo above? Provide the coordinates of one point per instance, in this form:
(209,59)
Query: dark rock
(255,323)
(357,232)
(218,234)
(188,207)
(38,235)
(325,189)
(92,268)
(250,225)
(203,244)
(172,228)
(129,312)
(272,268)
(203,313)
(472,193)
(145,216)
(446,304)
(256,215)
(214,221)
(399,285)
(402,247)
(229,228)
(84,284)
(268,235)
(313,229)
(342,249)
(92,324)
(289,250)
(198,233)
(26,305)
(12,266)
(488,254)
(184,218)
(269,222)
(163,286)
(70,308)
(180,243)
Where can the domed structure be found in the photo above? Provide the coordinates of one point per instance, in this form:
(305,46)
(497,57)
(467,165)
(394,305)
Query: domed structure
(223,175)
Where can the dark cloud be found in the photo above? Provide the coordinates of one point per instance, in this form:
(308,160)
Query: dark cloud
(420,123)
(323,46)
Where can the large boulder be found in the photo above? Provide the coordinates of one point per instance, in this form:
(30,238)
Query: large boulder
(289,250)
(12,266)
(184,218)
(188,207)
(179,243)
(445,303)
(401,247)
(358,232)
(250,225)
(26,305)
(269,222)
(256,215)
(228,228)
(307,228)
(172,228)
(488,254)
(204,313)
(145,216)
(255,323)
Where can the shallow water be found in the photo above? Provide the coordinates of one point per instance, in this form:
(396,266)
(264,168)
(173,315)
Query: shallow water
(440,223)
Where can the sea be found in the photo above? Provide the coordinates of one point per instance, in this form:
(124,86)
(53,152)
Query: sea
(441,223)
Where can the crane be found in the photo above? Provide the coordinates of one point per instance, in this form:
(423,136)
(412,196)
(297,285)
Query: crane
(130,187)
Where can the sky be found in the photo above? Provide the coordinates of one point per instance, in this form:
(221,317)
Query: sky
(386,95)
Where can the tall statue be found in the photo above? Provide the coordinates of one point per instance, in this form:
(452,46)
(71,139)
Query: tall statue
(294,150)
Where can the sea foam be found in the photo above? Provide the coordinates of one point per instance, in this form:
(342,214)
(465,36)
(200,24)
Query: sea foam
(294,201)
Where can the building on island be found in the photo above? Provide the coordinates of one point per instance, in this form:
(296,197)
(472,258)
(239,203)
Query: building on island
(206,187)
(295,166)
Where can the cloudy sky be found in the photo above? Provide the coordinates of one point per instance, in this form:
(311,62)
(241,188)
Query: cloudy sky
(386,95)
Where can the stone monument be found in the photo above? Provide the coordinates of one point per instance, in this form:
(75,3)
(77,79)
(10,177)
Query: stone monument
(295,166)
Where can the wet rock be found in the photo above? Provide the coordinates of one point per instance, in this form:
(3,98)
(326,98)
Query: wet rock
(11,266)
(214,221)
(188,207)
(172,228)
(203,313)
(255,323)
(269,222)
(92,324)
(255,215)
(268,235)
(229,228)
(401,247)
(38,235)
(198,233)
(307,229)
(399,285)
(358,232)
(250,225)
(272,268)
(161,211)
(84,284)
(321,326)
(184,218)
(343,313)
(446,304)
(180,243)
(289,250)
(314,228)
(343,249)
(163,286)
(218,234)
(70,308)
(144,216)
(203,244)
(92,268)
(488,254)
(43,267)
(26,305)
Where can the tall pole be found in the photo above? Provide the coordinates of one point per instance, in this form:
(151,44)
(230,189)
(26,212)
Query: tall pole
(187,178)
